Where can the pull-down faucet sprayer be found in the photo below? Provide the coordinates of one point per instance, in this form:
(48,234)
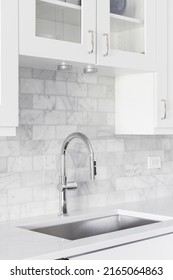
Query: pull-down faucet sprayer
(64,185)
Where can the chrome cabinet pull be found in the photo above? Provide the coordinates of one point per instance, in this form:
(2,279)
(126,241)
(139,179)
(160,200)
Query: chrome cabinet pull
(164,116)
(92,41)
(106,35)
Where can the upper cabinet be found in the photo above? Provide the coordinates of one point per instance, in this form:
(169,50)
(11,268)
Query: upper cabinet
(165,68)
(69,30)
(144,102)
(127,33)
(8,67)
(60,30)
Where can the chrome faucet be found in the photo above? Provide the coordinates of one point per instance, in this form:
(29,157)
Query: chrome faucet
(64,185)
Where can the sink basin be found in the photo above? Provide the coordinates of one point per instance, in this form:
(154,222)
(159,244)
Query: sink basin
(93,227)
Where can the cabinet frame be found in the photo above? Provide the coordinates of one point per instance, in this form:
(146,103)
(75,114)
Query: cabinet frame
(9,67)
(31,45)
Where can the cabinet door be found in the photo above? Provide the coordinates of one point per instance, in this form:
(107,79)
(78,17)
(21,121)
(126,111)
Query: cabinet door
(158,248)
(58,29)
(127,33)
(164,77)
(8,67)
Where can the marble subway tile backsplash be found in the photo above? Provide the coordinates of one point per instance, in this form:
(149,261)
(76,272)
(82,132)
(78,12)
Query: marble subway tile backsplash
(53,105)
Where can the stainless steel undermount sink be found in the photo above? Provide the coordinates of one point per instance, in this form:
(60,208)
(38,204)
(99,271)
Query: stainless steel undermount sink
(93,227)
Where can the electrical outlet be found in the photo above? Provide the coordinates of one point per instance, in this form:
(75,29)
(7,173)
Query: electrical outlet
(154,162)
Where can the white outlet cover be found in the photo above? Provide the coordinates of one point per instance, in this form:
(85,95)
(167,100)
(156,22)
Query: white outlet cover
(154,162)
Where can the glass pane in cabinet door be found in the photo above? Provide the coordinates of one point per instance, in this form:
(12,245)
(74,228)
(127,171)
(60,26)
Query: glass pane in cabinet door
(59,20)
(127,25)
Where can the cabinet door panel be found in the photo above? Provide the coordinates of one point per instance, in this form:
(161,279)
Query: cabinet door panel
(152,249)
(164,77)
(127,37)
(55,29)
(9,66)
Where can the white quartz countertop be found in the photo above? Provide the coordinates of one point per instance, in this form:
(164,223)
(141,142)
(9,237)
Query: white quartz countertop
(17,242)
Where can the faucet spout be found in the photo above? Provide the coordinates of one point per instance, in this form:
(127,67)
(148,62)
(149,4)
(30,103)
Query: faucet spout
(63,184)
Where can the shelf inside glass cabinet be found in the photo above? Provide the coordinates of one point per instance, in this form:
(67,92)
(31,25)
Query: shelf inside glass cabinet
(59,20)
(128,26)
(121,23)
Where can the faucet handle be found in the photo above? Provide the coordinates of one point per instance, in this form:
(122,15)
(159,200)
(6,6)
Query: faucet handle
(71,186)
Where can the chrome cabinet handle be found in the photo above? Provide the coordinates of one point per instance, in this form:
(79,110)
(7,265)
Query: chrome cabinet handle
(106,35)
(164,116)
(92,41)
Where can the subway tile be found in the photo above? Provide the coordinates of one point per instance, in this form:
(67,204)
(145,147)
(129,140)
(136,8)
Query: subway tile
(3,165)
(166,144)
(55,88)
(25,101)
(66,76)
(32,86)
(106,106)
(115,145)
(20,195)
(3,198)
(38,163)
(87,104)
(111,119)
(13,211)
(89,130)
(97,91)
(9,181)
(14,164)
(3,211)
(32,209)
(50,193)
(87,78)
(44,74)
(66,103)
(23,132)
(110,93)
(106,131)
(97,119)
(37,194)
(9,148)
(25,72)
(30,148)
(51,206)
(55,118)
(74,89)
(50,162)
(44,132)
(52,147)
(37,179)
(104,80)
(62,131)
(26,163)
(19,164)
(77,118)
(44,102)
(31,117)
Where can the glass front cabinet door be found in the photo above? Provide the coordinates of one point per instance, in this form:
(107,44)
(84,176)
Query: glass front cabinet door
(127,33)
(58,29)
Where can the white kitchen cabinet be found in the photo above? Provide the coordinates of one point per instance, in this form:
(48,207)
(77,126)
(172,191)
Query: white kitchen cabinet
(144,102)
(70,30)
(9,67)
(58,30)
(127,37)
(165,70)
(152,249)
